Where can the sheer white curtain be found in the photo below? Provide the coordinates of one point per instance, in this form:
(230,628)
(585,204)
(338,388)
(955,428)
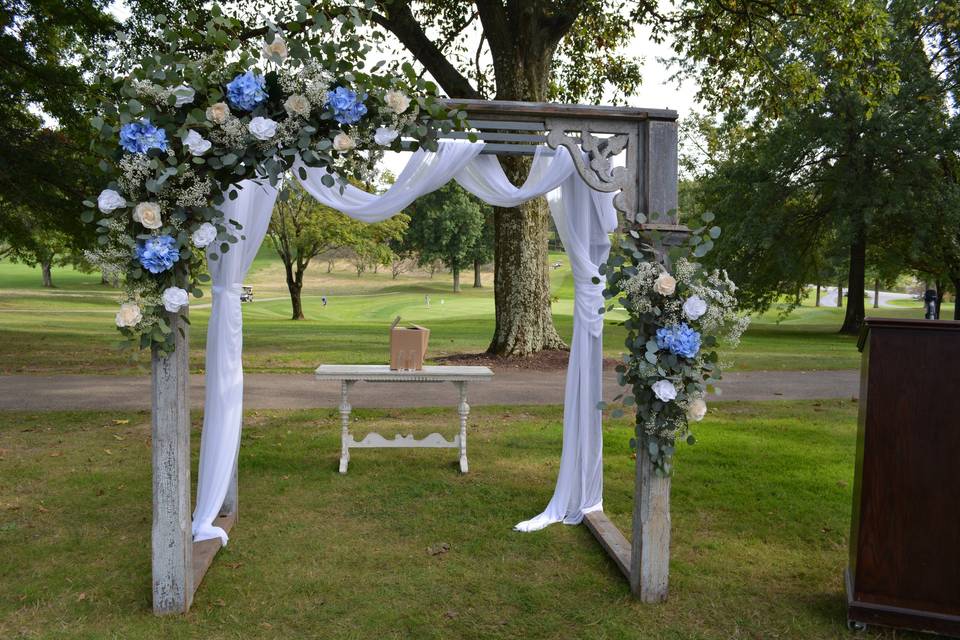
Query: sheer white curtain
(425,172)
(584,220)
(223,408)
(583,217)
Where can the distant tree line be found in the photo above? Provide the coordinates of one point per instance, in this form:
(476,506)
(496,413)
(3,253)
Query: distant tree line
(448,228)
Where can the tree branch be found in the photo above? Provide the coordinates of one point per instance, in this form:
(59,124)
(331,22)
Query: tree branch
(400,21)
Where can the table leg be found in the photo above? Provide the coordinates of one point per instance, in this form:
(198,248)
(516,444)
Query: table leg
(464,410)
(345,409)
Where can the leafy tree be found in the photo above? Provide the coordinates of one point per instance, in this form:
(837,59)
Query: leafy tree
(483,248)
(842,174)
(302,229)
(447,225)
(370,244)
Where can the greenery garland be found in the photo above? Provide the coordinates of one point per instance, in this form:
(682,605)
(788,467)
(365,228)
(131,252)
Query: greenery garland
(678,313)
(224,104)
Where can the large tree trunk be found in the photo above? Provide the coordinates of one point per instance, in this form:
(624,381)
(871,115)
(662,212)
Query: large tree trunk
(856,284)
(477,282)
(524,323)
(818,296)
(456,279)
(839,294)
(876,293)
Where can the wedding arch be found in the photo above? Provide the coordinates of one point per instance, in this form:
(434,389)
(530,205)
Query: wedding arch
(191,183)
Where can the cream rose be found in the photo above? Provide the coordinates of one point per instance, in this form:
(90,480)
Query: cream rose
(385,135)
(108,200)
(196,144)
(397,101)
(276,48)
(343,142)
(218,112)
(664,390)
(148,214)
(204,235)
(696,409)
(129,315)
(665,284)
(262,128)
(297,105)
(174,298)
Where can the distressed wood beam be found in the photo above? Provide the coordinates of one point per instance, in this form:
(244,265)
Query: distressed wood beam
(172,539)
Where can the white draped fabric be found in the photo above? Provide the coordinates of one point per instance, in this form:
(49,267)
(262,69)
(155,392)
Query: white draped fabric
(223,408)
(584,219)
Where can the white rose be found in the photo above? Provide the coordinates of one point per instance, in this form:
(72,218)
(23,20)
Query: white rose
(218,112)
(204,235)
(108,200)
(343,142)
(297,105)
(196,144)
(397,101)
(262,128)
(174,298)
(694,307)
(278,48)
(184,95)
(129,315)
(665,284)
(385,135)
(664,390)
(696,409)
(148,214)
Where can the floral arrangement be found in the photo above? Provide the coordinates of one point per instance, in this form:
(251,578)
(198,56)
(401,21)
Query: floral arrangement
(678,314)
(226,103)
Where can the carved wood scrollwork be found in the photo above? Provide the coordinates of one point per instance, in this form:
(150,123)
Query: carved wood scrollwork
(593,157)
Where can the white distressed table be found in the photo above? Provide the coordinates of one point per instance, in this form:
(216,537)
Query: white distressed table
(349,374)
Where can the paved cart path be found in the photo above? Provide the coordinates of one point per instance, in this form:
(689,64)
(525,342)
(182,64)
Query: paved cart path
(301,391)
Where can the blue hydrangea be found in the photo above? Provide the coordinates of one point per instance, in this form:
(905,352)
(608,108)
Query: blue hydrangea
(679,339)
(140,137)
(247,91)
(158,253)
(347,106)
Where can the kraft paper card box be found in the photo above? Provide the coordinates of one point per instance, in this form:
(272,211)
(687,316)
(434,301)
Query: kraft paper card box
(408,346)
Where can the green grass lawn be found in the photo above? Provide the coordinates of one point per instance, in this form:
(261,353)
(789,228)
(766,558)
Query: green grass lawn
(70,329)
(761,509)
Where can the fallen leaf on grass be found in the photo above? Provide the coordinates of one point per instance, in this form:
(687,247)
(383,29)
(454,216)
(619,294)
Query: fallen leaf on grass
(42,509)
(121,422)
(266,625)
(117,436)
(81,596)
(438,549)
(56,454)
(108,452)
(450,615)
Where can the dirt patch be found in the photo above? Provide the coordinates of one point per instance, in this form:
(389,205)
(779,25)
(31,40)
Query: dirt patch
(549,360)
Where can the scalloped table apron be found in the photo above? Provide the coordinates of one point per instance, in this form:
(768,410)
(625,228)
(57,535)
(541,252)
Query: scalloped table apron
(584,220)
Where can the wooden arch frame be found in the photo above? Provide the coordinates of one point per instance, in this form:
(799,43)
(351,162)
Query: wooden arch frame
(646,184)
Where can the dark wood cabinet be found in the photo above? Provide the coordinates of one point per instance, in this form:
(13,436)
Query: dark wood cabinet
(904,566)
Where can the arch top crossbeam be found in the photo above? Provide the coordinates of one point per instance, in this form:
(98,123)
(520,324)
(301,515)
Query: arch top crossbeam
(645,179)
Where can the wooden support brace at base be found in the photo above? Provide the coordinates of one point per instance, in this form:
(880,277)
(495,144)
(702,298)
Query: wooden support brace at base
(645,561)
(206,550)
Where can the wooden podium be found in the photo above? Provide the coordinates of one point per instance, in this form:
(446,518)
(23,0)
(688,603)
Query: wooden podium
(904,566)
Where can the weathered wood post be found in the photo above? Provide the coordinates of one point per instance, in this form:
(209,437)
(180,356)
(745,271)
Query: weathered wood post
(650,540)
(172,540)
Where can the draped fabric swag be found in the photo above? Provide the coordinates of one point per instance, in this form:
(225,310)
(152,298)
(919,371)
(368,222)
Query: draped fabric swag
(584,219)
